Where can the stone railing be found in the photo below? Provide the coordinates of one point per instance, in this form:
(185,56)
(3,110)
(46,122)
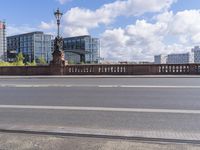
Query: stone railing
(150,69)
(25,70)
(180,69)
(102,69)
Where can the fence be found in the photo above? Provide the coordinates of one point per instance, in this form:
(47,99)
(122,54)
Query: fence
(115,69)
(150,69)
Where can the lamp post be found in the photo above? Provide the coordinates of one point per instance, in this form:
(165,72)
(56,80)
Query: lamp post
(58,16)
(58,42)
(58,54)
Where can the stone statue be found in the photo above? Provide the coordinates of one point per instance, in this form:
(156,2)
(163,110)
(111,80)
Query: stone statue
(58,44)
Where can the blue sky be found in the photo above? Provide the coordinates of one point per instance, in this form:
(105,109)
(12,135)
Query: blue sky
(132,30)
(32,12)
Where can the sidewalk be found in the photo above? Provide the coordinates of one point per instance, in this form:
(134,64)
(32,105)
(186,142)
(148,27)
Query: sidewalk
(33,142)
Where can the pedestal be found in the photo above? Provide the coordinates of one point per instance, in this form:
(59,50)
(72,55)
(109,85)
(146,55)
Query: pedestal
(57,65)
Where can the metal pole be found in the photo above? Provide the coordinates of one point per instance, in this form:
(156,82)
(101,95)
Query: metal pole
(58,23)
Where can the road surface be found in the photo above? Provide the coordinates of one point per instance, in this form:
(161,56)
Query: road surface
(147,107)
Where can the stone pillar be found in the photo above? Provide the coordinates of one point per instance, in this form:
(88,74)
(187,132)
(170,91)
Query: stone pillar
(57,65)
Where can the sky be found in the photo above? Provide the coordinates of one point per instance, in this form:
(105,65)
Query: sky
(129,30)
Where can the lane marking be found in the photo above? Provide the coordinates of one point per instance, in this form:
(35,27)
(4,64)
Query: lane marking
(157,86)
(108,86)
(100,86)
(108,109)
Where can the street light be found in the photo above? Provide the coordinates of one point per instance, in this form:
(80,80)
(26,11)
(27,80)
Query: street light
(58,54)
(58,42)
(58,16)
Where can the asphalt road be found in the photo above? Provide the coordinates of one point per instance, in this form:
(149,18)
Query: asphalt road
(141,107)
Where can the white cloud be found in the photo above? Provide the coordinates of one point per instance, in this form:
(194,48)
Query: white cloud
(136,7)
(64,1)
(142,40)
(47,26)
(79,21)
(74,31)
(87,19)
(13,29)
(135,42)
(196,38)
(186,21)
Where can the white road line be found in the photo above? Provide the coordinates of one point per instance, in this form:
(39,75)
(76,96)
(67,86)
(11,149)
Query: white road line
(108,86)
(157,86)
(93,85)
(108,109)
(33,85)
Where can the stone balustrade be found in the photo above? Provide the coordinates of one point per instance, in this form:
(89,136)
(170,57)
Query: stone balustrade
(105,69)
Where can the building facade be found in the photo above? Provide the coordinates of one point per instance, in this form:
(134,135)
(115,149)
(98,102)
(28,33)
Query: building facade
(184,58)
(33,46)
(160,59)
(196,51)
(3,49)
(82,49)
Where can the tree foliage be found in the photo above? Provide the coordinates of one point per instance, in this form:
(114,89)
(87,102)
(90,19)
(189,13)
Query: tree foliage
(19,57)
(19,60)
(31,63)
(41,61)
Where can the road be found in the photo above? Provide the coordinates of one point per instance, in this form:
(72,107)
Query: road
(147,107)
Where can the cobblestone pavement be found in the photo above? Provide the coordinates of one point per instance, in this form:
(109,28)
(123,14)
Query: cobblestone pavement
(33,142)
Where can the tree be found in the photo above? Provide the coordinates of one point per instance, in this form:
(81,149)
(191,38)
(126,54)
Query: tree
(2,63)
(19,59)
(42,61)
(33,63)
(71,62)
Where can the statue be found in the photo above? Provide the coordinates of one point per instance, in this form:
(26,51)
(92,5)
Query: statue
(58,44)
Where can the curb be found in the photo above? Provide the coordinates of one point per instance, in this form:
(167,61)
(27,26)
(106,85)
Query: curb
(112,137)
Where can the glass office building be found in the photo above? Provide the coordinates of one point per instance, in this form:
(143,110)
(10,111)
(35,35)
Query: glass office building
(34,45)
(3,49)
(82,49)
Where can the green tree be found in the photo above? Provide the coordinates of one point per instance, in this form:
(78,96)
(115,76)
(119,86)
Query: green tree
(41,61)
(33,63)
(71,62)
(82,62)
(19,57)
(19,60)
(2,63)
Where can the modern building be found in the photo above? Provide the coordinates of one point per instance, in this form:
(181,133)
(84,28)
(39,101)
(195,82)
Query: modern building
(34,45)
(3,49)
(160,59)
(184,58)
(82,49)
(196,51)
